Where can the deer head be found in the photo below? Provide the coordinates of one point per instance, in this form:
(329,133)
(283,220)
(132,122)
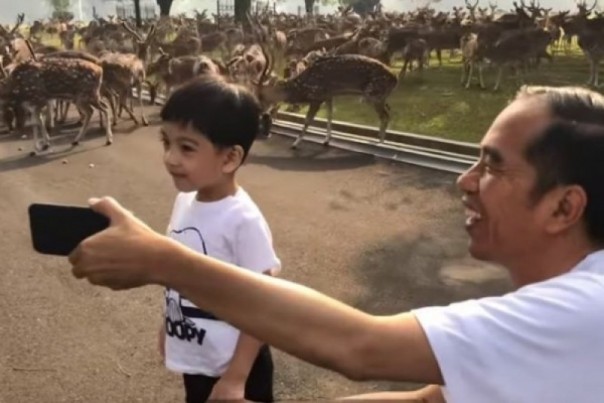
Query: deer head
(9,36)
(142,44)
(583,9)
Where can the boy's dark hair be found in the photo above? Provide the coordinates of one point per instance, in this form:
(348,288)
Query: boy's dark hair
(227,114)
(569,151)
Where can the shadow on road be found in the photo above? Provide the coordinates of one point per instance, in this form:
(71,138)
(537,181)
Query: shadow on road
(26,161)
(60,148)
(412,271)
(408,272)
(308,157)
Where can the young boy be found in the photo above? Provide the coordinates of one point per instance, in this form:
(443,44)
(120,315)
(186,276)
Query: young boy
(207,131)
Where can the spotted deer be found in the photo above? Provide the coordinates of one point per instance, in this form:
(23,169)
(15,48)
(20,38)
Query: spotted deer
(175,71)
(326,78)
(35,83)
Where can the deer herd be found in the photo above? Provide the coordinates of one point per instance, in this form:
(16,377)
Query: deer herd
(319,57)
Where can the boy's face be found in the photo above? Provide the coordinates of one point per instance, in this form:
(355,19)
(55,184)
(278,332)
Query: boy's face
(192,160)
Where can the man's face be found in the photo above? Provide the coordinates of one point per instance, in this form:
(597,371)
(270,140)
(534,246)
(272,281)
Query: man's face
(503,222)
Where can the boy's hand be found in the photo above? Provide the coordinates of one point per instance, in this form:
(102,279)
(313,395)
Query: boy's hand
(228,389)
(162,342)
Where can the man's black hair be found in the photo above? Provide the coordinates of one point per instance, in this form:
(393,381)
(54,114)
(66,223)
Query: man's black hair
(570,150)
(227,114)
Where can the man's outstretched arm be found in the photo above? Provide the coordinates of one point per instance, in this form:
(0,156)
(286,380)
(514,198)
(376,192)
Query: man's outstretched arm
(288,316)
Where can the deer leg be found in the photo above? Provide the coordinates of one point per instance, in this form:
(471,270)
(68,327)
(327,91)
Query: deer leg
(9,117)
(139,88)
(115,107)
(39,128)
(313,108)
(499,74)
(55,107)
(464,72)
(111,98)
(20,116)
(64,112)
(401,75)
(86,109)
(470,72)
(50,113)
(152,93)
(329,104)
(439,57)
(104,111)
(61,105)
(590,81)
(123,99)
(65,109)
(480,75)
(383,111)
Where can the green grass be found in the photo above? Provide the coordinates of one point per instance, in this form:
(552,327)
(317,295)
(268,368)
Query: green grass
(436,104)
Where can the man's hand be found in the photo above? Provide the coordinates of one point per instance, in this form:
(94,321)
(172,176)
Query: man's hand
(116,257)
(228,389)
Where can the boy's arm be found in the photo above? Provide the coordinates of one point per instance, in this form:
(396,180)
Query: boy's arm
(243,359)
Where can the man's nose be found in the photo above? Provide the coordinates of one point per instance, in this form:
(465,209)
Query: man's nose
(468,181)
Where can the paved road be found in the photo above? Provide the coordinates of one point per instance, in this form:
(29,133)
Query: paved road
(382,237)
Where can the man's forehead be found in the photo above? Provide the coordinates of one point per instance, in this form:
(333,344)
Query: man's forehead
(517,124)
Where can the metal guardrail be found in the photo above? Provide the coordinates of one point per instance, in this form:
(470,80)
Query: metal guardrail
(450,146)
(424,151)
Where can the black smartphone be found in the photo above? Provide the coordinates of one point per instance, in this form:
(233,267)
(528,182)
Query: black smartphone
(57,230)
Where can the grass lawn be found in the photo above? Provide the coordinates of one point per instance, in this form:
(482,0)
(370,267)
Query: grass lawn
(437,105)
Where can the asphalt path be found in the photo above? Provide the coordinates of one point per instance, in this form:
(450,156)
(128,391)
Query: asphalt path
(381,236)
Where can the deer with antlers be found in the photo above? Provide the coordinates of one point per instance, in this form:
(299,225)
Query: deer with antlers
(590,32)
(9,36)
(322,81)
(327,78)
(35,83)
(123,71)
(175,71)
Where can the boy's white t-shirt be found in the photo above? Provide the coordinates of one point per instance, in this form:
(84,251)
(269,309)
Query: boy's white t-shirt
(541,343)
(232,230)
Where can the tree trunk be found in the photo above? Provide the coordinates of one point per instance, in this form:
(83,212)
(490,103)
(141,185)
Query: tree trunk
(309,5)
(137,13)
(164,7)
(242,7)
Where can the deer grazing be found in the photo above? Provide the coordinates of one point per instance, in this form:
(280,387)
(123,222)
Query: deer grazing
(35,83)
(175,71)
(326,78)
(590,39)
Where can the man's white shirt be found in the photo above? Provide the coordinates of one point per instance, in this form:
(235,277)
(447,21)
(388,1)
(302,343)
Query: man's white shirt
(541,343)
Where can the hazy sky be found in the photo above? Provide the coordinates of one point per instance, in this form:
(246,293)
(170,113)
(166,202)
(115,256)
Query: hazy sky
(35,9)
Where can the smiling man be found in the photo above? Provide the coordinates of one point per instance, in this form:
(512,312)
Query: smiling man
(535,205)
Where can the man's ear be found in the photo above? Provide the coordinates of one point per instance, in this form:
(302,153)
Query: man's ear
(567,207)
(233,158)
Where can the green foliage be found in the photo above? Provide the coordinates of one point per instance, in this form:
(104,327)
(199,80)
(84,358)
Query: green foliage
(62,16)
(60,6)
